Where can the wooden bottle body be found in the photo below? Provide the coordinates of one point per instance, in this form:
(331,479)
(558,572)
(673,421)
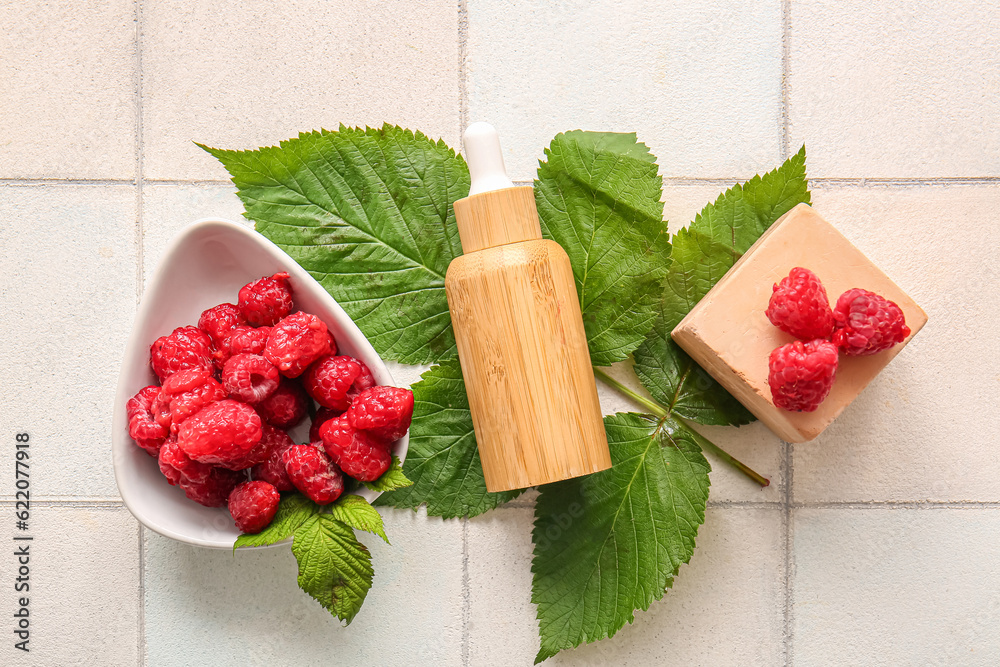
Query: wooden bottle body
(527,369)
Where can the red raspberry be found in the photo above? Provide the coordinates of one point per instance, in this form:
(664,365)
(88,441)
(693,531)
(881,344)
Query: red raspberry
(329,379)
(867,323)
(250,378)
(271,438)
(221,434)
(219,321)
(176,465)
(312,473)
(148,433)
(323,415)
(385,411)
(183,394)
(253,505)
(801,374)
(248,340)
(286,407)
(360,454)
(295,342)
(272,469)
(263,302)
(185,347)
(214,490)
(365,381)
(799,306)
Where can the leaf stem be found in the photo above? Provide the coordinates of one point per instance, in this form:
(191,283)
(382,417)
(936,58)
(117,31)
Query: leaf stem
(660,411)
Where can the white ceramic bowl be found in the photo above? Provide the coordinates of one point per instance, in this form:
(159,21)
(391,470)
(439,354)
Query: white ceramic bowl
(205,265)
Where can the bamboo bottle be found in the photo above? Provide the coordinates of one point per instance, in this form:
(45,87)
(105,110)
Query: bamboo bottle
(520,336)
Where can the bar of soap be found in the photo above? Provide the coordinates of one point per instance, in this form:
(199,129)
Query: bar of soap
(729,335)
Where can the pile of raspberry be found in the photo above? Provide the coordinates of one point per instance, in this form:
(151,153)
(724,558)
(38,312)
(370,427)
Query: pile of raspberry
(801,373)
(233,386)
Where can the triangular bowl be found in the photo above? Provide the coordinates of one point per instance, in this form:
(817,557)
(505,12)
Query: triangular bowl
(205,265)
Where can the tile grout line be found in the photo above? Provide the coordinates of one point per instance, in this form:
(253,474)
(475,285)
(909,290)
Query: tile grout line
(786,29)
(463,57)
(140,275)
(466,601)
(789,559)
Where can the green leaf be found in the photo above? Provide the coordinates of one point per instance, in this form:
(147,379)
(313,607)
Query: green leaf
(391,479)
(293,510)
(610,543)
(334,568)
(357,513)
(443,460)
(368,213)
(598,196)
(700,255)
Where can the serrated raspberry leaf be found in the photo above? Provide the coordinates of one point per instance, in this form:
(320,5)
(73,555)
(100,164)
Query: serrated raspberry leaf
(293,511)
(368,213)
(392,479)
(443,460)
(598,196)
(357,513)
(334,567)
(610,543)
(700,255)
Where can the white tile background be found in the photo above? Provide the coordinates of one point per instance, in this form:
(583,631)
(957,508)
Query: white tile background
(875,544)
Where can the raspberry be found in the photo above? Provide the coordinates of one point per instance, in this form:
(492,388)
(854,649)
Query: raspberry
(183,394)
(253,505)
(185,347)
(250,378)
(286,407)
(148,433)
(247,340)
(265,301)
(295,342)
(365,381)
(176,465)
(801,374)
(214,490)
(799,306)
(272,469)
(385,411)
(867,323)
(360,454)
(220,434)
(329,379)
(312,473)
(323,415)
(219,321)
(271,438)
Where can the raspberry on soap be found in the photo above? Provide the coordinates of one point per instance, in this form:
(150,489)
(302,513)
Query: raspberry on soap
(867,323)
(267,300)
(384,411)
(253,506)
(185,347)
(221,433)
(799,306)
(295,342)
(360,454)
(801,374)
(148,433)
(312,473)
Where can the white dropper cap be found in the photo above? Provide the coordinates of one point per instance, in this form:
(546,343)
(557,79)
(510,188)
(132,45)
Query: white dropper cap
(485,159)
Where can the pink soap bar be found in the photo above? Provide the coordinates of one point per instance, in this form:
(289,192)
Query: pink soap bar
(729,335)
